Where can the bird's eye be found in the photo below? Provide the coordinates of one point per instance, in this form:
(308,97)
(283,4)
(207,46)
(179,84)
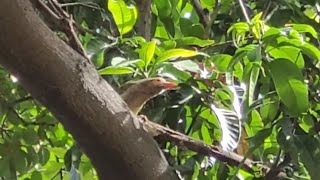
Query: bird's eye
(157,80)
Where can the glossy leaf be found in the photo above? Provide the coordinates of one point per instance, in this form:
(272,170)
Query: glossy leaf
(124,16)
(163,8)
(221,61)
(289,85)
(147,52)
(187,41)
(305,28)
(115,70)
(288,52)
(177,53)
(254,75)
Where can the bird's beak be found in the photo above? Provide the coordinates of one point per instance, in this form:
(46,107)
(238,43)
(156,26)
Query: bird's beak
(168,85)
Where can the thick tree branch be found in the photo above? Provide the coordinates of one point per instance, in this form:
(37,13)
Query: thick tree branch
(143,26)
(70,87)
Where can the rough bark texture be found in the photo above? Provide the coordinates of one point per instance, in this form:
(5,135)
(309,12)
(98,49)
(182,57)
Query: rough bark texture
(69,86)
(143,26)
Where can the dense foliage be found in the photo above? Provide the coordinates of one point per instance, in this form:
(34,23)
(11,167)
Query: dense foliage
(268,48)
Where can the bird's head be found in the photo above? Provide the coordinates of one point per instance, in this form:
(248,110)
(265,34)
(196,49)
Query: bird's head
(150,86)
(157,85)
(136,93)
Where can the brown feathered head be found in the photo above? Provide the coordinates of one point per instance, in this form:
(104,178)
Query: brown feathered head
(137,93)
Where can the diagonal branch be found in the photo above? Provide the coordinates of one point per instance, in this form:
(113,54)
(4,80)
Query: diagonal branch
(203,15)
(185,141)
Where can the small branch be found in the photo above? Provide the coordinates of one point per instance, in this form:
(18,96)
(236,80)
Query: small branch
(267,17)
(64,22)
(184,141)
(266,10)
(244,11)
(213,17)
(88,5)
(222,44)
(203,16)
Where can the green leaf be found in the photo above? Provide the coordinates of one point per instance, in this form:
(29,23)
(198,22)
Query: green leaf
(306,123)
(221,61)
(271,34)
(187,41)
(161,32)
(253,53)
(43,155)
(36,175)
(19,158)
(288,52)
(309,154)
(286,143)
(163,8)
(110,70)
(254,75)
(196,170)
(187,65)
(175,53)
(51,169)
(124,16)
(270,108)
(68,159)
(205,134)
(98,58)
(259,138)
(169,70)
(189,28)
(239,55)
(147,52)
(122,62)
(313,52)
(305,28)
(30,136)
(169,44)
(32,156)
(13,117)
(255,124)
(239,27)
(169,25)
(289,84)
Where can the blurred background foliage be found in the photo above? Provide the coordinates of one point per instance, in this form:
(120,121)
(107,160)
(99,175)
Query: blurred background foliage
(270,49)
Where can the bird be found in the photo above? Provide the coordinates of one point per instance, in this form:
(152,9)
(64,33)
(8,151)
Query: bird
(137,93)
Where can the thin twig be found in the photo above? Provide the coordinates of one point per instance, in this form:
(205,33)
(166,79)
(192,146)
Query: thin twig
(266,10)
(213,17)
(275,9)
(88,5)
(64,22)
(222,44)
(203,16)
(244,11)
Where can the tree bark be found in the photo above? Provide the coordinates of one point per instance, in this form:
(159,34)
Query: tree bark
(70,87)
